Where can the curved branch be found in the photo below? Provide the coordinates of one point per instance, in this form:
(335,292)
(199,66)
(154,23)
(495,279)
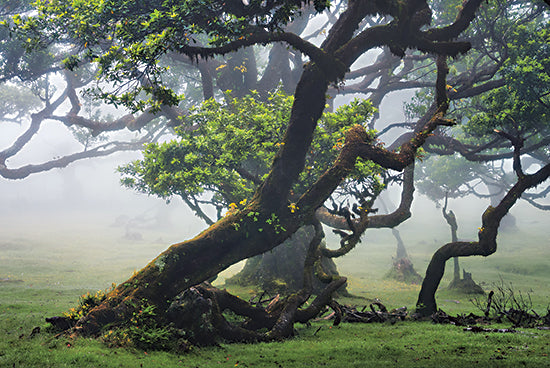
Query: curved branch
(462,21)
(485,246)
(544,207)
(36,121)
(104,150)
(389,220)
(195,207)
(332,67)
(128,121)
(472,154)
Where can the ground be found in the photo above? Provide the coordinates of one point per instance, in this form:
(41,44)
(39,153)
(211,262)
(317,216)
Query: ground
(56,265)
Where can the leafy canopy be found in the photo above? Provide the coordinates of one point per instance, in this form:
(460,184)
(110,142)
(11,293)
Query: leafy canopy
(127,39)
(522,106)
(230,145)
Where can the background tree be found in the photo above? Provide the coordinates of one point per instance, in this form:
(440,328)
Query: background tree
(441,178)
(518,119)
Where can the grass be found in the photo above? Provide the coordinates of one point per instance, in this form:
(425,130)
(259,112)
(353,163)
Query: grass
(56,269)
(407,344)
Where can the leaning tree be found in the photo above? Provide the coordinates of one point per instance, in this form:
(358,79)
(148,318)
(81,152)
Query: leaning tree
(51,88)
(151,31)
(127,39)
(223,152)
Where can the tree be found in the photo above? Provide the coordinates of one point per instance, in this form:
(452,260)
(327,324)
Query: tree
(191,262)
(516,114)
(223,157)
(40,74)
(127,40)
(487,244)
(441,178)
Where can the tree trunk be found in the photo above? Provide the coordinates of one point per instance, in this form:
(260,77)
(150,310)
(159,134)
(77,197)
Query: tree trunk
(496,192)
(402,268)
(247,232)
(456,273)
(237,236)
(401,251)
(233,238)
(485,246)
(453,224)
(466,284)
(280,270)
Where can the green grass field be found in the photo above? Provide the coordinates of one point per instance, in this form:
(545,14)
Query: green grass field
(46,269)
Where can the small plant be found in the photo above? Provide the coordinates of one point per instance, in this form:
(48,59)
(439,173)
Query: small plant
(86,303)
(144,332)
(273,221)
(507,304)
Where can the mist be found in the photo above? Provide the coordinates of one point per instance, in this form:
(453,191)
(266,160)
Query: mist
(82,215)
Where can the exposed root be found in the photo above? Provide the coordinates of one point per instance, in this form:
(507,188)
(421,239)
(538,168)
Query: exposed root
(205,315)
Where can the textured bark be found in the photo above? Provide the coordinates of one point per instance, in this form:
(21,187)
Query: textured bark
(237,236)
(199,310)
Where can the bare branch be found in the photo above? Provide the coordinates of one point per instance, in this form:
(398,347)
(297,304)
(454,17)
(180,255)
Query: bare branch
(104,150)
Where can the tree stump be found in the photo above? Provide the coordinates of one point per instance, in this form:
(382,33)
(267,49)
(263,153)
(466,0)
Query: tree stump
(466,284)
(403,271)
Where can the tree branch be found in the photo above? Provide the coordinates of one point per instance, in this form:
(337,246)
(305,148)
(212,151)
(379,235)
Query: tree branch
(104,150)
(485,246)
(331,67)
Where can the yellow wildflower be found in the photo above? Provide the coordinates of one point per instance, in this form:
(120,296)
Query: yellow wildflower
(293,208)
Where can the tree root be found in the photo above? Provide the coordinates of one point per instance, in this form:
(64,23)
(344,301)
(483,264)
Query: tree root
(346,313)
(205,315)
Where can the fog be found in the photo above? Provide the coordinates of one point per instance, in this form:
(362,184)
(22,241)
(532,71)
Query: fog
(80,216)
(87,191)
(96,226)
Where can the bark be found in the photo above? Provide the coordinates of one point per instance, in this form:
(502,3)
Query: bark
(485,246)
(243,234)
(198,311)
(453,224)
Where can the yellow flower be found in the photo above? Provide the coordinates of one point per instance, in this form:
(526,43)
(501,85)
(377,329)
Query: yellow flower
(293,207)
